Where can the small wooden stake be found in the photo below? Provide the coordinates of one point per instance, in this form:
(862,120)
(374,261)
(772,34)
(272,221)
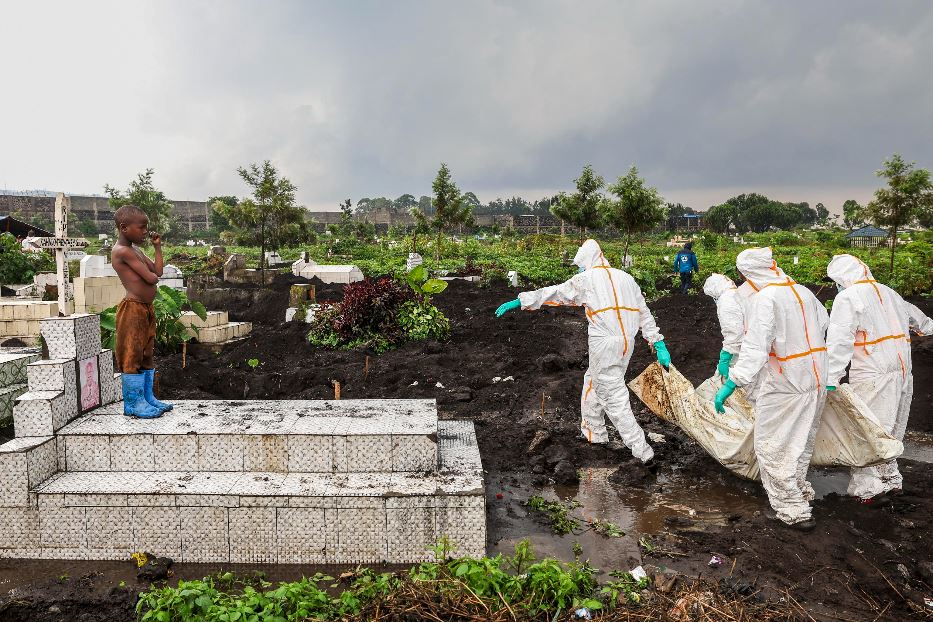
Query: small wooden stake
(184,354)
(336,390)
(366,368)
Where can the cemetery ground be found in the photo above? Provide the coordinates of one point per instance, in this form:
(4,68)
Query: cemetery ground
(518,378)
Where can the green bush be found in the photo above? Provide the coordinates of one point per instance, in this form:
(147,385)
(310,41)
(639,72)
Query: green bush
(17,267)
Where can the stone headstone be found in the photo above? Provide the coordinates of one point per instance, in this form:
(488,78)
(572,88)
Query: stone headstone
(414,260)
(96,265)
(218,250)
(172,276)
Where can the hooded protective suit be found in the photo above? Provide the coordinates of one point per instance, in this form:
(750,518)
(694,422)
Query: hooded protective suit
(786,324)
(616,310)
(732,307)
(870,326)
(729,309)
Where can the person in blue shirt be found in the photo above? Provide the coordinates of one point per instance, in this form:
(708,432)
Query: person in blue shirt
(686,264)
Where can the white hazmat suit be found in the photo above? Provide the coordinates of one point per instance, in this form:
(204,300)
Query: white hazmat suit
(616,310)
(732,307)
(786,324)
(870,326)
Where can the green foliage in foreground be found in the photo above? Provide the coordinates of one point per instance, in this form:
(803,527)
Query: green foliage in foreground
(520,583)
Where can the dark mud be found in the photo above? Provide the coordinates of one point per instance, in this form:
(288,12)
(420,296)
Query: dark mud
(519,379)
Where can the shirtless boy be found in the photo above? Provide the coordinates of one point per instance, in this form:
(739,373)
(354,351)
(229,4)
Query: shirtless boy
(136,323)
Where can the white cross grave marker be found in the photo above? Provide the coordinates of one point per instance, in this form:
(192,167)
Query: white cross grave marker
(61,243)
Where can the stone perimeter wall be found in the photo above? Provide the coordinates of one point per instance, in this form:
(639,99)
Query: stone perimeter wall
(193,215)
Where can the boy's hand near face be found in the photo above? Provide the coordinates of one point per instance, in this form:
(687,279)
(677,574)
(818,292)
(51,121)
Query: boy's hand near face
(156,239)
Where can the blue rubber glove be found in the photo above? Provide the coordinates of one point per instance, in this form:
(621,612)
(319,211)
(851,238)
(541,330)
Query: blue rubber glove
(508,306)
(664,357)
(723,367)
(723,394)
(830,387)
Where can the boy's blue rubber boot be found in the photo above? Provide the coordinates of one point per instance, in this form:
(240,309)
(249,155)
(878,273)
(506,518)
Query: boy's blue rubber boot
(134,398)
(150,396)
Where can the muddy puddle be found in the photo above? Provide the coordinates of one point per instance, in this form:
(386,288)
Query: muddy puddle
(672,499)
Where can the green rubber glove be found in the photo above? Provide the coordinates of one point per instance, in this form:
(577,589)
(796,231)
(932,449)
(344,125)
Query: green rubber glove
(830,387)
(723,394)
(664,357)
(508,306)
(723,367)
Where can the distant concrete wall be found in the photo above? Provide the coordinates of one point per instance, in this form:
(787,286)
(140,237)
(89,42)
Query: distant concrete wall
(192,215)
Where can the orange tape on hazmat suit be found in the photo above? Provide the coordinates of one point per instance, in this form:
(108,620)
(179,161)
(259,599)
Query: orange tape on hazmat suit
(870,326)
(616,311)
(786,324)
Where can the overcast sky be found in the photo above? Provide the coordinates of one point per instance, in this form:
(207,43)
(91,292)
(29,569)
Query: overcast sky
(801,100)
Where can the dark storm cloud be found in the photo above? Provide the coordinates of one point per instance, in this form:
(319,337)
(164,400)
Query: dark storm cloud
(366,98)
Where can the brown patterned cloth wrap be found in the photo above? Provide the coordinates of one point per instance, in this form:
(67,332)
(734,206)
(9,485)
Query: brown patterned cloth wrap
(136,329)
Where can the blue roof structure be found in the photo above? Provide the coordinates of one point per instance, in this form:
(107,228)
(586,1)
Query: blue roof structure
(868,232)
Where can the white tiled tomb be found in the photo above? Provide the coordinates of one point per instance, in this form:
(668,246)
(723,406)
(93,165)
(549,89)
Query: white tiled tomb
(352,481)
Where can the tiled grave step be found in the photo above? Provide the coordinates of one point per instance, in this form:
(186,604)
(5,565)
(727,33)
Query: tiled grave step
(24,464)
(221,333)
(214,318)
(13,367)
(75,336)
(52,400)
(282,436)
(258,517)
(8,397)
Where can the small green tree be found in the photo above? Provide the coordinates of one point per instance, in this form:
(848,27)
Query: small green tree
(219,223)
(908,195)
(822,214)
(422,226)
(581,209)
(853,214)
(449,208)
(720,217)
(637,208)
(270,217)
(144,195)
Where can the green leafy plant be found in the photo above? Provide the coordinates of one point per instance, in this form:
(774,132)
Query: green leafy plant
(253,363)
(17,267)
(624,588)
(557,513)
(418,279)
(169,304)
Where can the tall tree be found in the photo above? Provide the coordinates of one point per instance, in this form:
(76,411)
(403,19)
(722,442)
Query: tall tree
(449,207)
(822,214)
(143,194)
(219,222)
(720,217)
(908,195)
(637,208)
(405,202)
(853,214)
(270,216)
(581,209)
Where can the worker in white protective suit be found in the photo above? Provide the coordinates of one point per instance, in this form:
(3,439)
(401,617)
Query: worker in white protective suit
(786,325)
(870,326)
(616,310)
(732,305)
(731,316)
